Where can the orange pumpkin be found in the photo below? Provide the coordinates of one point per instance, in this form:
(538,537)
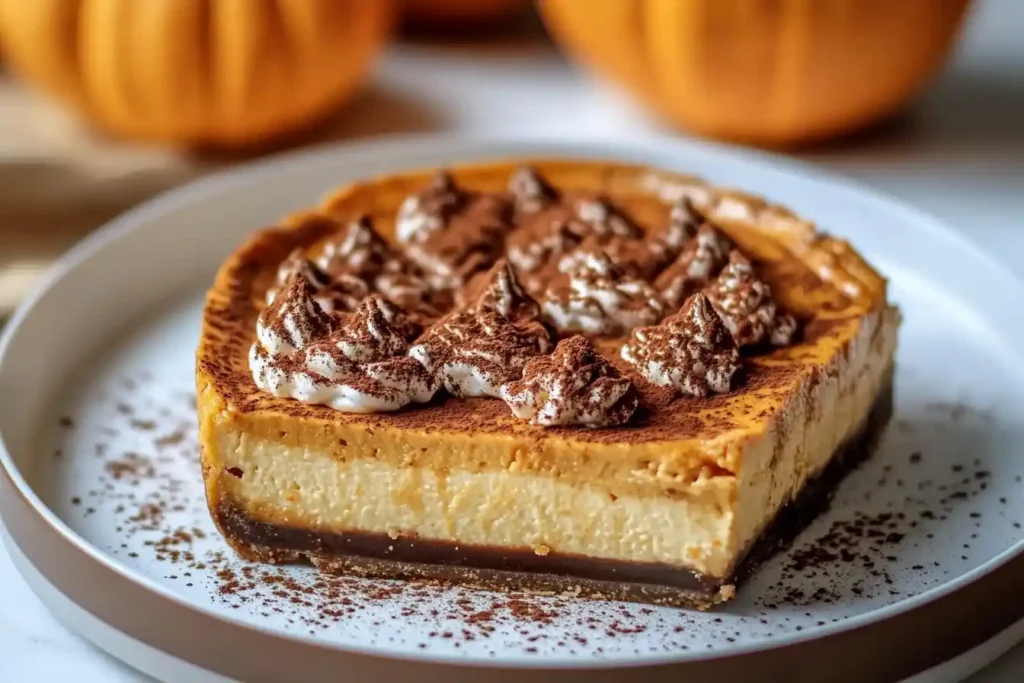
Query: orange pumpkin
(775,72)
(224,73)
(458,12)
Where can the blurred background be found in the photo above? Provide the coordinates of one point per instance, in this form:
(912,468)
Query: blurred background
(106,102)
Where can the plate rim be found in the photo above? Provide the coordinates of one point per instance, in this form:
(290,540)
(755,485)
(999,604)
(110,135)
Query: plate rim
(478,146)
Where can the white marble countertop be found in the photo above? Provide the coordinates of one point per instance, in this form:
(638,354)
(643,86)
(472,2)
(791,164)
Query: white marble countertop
(959,155)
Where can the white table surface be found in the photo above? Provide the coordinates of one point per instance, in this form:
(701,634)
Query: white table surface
(959,155)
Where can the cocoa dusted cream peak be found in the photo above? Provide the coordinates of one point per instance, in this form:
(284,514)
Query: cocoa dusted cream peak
(551,224)
(595,297)
(358,250)
(602,219)
(428,211)
(700,261)
(593,359)
(359,261)
(476,353)
(746,306)
(356,364)
(341,291)
(355,263)
(530,192)
(503,294)
(297,265)
(531,251)
(572,386)
(452,233)
(683,223)
(691,351)
(293,320)
(473,352)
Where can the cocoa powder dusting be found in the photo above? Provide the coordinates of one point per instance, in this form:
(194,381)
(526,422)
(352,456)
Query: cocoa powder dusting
(454,233)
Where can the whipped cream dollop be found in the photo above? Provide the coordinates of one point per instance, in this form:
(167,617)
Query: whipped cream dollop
(601,218)
(296,264)
(341,291)
(572,386)
(595,297)
(530,191)
(683,222)
(294,319)
(476,350)
(503,294)
(475,353)
(426,212)
(359,250)
(352,265)
(529,251)
(702,258)
(354,364)
(745,304)
(452,233)
(634,257)
(411,293)
(691,351)
(551,225)
(359,261)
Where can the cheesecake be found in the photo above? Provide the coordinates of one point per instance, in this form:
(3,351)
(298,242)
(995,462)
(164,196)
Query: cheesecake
(563,376)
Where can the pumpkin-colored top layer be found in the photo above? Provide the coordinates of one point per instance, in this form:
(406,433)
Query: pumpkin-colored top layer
(819,279)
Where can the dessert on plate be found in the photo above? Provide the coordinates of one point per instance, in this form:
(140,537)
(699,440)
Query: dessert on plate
(553,375)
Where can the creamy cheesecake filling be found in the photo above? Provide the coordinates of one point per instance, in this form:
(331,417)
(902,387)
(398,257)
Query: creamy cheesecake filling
(705,526)
(494,509)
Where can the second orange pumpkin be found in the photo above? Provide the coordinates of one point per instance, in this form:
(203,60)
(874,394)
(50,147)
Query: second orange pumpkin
(766,72)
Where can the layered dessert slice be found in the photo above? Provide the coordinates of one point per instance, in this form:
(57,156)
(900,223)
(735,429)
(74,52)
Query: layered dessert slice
(564,376)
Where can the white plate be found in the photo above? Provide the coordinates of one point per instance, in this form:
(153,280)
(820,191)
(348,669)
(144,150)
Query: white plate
(109,344)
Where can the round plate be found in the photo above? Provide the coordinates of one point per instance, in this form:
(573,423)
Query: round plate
(104,497)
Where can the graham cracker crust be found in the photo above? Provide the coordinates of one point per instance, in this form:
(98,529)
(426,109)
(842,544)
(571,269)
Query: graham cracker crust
(505,569)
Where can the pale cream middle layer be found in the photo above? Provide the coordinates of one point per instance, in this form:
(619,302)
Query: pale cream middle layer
(706,527)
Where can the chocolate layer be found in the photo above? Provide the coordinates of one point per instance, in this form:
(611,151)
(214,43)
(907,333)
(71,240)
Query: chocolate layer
(379,555)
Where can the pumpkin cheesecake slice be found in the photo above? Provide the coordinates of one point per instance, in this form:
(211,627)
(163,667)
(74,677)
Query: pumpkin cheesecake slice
(552,375)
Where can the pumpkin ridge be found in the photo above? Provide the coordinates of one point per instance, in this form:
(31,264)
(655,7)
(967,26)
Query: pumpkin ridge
(72,35)
(164,78)
(206,83)
(340,77)
(792,47)
(239,40)
(105,59)
(295,27)
(636,28)
(773,72)
(287,55)
(675,31)
(643,75)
